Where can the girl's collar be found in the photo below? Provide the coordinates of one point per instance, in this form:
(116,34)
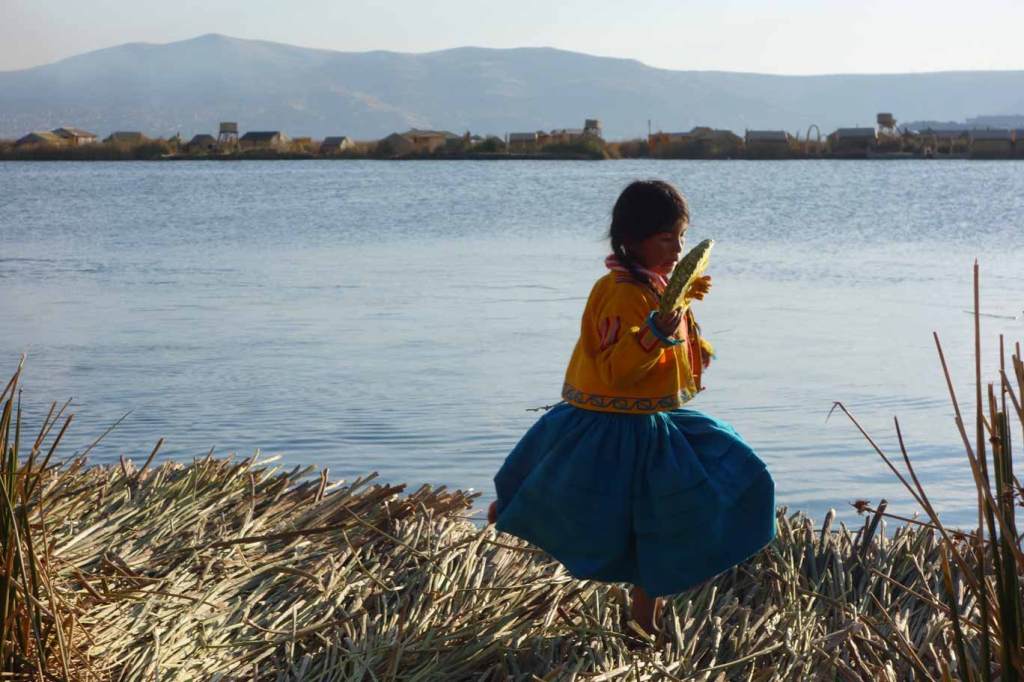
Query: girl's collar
(658,281)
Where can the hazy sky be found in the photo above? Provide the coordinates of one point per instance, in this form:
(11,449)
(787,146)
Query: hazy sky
(784,36)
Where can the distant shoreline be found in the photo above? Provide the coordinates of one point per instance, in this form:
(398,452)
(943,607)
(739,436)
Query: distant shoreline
(700,144)
(499,157)
(82,154)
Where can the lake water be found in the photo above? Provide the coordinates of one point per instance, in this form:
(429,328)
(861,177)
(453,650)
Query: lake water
(403,317)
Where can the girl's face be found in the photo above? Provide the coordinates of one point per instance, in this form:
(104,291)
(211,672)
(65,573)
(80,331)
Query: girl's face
(660,252)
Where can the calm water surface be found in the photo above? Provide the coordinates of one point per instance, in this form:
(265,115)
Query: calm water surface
(403,317)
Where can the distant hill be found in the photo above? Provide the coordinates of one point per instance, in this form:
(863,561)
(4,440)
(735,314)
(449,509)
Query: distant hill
(189,86)
(1008,121)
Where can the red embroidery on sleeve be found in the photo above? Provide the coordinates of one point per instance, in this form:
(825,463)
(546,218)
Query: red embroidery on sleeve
(608,331)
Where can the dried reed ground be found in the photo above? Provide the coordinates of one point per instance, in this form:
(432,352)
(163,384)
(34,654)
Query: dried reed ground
(238,570)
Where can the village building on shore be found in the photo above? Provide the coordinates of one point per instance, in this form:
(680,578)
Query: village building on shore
(265,139)
(562,136)
(716,142)
(415,141)
(767,144)
(852,142)
(991,144)
(700,142)
(524,143)
(75,136)
(335,145)
(40,137)
(944,142)
(71,137)
(202,143)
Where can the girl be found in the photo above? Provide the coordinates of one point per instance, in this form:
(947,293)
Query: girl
(617,482)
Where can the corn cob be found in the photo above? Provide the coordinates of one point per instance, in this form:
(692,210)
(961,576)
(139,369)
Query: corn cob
(686,271)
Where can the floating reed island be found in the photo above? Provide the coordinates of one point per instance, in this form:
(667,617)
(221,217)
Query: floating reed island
(225,569)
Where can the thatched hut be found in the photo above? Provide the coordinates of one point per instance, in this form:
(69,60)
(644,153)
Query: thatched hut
(265,139)
(40,137)
(202,143)
(852,142)
(993,143)
(335,145)
(75,136)
(767,144)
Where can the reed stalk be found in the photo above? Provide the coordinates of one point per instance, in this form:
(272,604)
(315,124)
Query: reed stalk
(990,559)
(35,634)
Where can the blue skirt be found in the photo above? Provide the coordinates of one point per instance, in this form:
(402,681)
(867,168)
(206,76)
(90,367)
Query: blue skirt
(664,501)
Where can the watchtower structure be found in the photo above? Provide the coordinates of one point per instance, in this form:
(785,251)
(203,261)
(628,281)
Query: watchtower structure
(227,138)
(886,124)
(592,126)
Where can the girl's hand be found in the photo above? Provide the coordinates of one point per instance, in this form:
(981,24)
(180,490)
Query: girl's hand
(669,326)
(492,512)
(699,288)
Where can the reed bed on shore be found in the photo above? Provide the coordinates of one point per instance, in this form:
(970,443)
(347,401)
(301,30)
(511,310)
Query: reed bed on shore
(238,569)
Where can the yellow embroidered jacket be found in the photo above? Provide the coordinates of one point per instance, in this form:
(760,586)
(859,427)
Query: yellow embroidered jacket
(618,365)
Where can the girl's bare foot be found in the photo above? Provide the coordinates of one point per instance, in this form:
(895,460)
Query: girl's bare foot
(492,512)
(645,610)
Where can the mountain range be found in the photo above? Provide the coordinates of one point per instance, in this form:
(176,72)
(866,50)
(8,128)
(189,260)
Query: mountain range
(191,85)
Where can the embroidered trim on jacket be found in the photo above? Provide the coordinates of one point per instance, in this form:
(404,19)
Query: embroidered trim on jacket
(621,404)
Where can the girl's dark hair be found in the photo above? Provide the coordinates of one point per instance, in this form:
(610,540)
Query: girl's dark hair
(644,208)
